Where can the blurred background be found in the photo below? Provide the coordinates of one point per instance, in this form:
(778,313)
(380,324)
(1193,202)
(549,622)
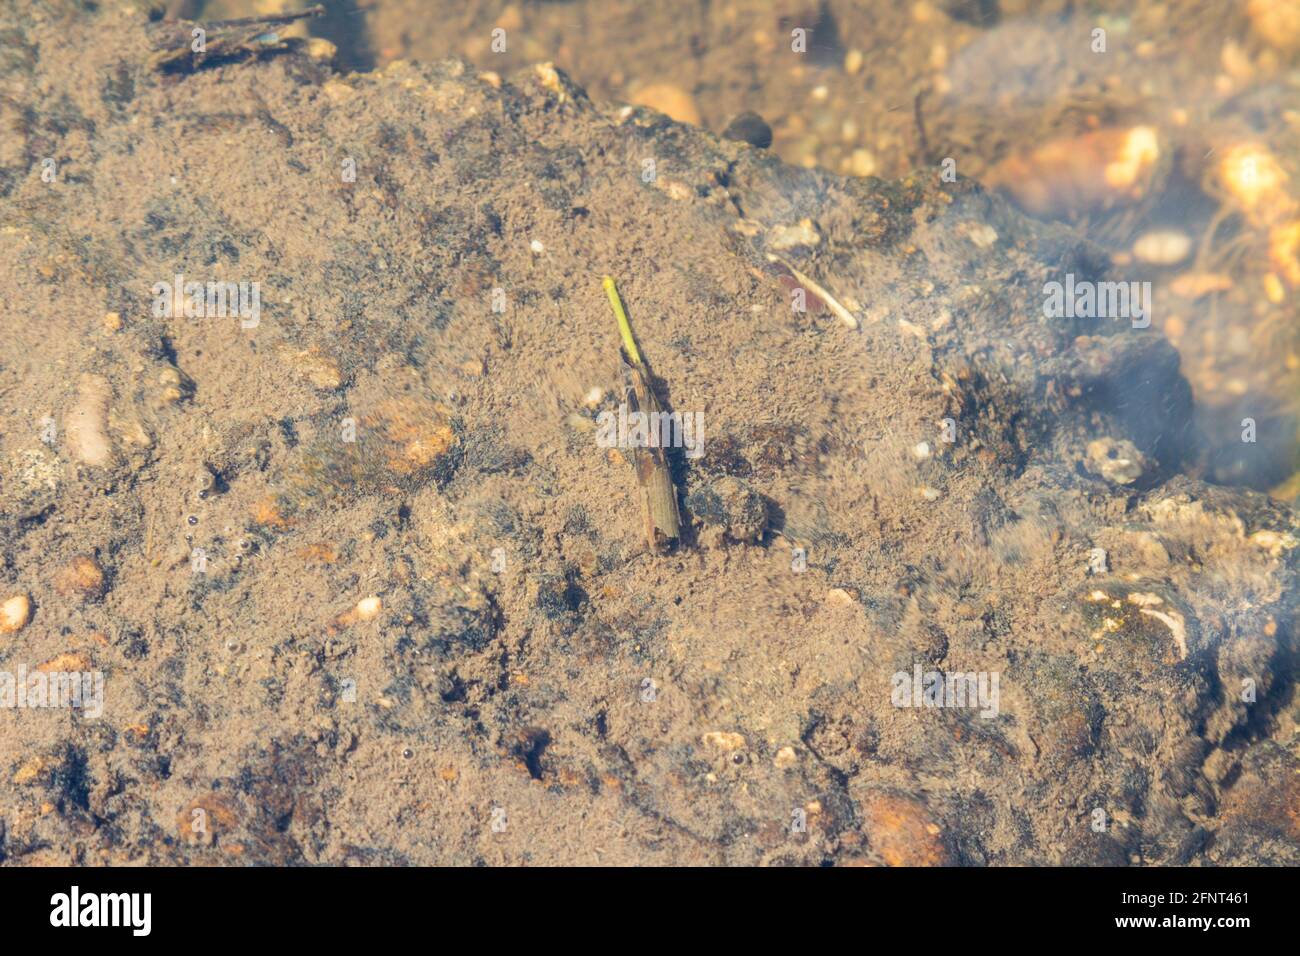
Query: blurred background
(1166,132)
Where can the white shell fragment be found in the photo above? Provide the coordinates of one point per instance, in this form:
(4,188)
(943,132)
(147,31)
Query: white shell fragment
(1163,247)
(86,423)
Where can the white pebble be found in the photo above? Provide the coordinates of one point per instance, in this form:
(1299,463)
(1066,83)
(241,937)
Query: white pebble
(804,234)
(1165,247)
(15,613)
(922,450)
(537,247)
(982,234)
(862,163)
(368,608)
(86,423)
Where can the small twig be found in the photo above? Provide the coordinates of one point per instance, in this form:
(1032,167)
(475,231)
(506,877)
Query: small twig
(832,303)
(923,141)
(173,40)
(663,522)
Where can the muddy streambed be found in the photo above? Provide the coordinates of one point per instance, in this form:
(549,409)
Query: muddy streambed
(962,578)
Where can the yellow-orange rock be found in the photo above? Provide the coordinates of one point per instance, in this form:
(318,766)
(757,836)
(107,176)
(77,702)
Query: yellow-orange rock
(82,578)
(1276,22)
(903,832)
(1284,251)
(418,435)
(669,99)
(1073,174)
(69,663)
(207,817)
(1256,181)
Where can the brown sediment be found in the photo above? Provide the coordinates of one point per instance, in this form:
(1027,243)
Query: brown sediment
(425,593)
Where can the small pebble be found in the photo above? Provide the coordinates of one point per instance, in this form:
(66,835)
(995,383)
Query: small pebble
(537,247)
(30,770)
(802,234)
(1274,542)
(671,100)
(1235,61)
(367,609)
(1163,247)
(1276,22)
(81,578)
(205,482)
(838,597)
(15,613)
(1254,178)
(730,506)
(1117,461)
(862,163)
(1273,289)
(724,740)
(749,128)
(321,50)
(549,77)
(173,386)
(321,370)
(1194,285)
(66,663)
(982,234)
(337,91)
(581,423)
(86,423)
(853,62)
